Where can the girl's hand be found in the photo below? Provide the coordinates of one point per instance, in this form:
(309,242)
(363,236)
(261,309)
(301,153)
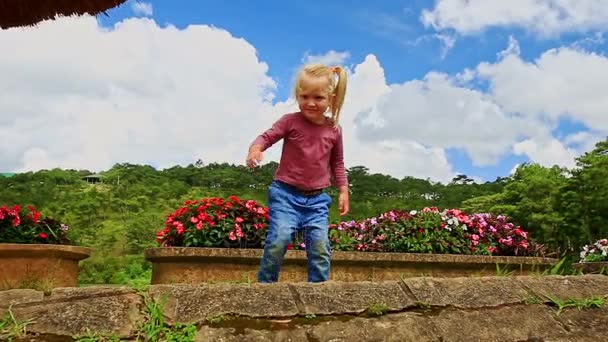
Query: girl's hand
(343,201)
(254,157)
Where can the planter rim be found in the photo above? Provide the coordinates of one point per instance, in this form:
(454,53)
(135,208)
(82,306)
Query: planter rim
(160,254)
(37,250)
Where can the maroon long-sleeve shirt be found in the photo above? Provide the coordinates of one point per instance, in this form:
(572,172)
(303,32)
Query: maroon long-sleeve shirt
(311,154)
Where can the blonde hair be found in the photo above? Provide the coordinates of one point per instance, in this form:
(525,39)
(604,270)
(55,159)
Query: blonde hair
(337,88)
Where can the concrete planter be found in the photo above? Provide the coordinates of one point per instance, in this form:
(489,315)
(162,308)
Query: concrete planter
(592,267)
(198,265)
(39,266)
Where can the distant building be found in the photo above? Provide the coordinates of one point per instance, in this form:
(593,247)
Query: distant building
(92,178)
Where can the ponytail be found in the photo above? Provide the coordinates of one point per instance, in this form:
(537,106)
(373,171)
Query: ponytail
(338,94)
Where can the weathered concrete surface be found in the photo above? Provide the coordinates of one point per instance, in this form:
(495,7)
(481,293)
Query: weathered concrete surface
(423,309)
(513,323)
(196,265)
(564,287)
(467,292)
(192,304)
(208,334)
(351,298)
(19,296)
(79,311)
(398,327)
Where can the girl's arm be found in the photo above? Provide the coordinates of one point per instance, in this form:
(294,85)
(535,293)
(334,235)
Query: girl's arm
(278,131)
(339,173)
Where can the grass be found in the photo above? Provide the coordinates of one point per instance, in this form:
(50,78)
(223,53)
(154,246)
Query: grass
(11,328)
(580,304)
(504,271)
(155,329)
(378,309)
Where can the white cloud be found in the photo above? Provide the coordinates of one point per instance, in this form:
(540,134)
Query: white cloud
(135,92)
(329,58)
(447,43)
(546,18)
(390,155)
(142,8)
(583,141)
(546,152)
(512,49)
(561,83)
(436,112)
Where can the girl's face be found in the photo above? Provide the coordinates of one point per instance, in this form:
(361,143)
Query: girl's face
(314,98)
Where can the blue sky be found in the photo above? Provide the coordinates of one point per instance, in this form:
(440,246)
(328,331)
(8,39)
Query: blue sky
(409,42)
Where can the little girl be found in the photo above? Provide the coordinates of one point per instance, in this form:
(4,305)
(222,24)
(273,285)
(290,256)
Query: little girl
(312,154)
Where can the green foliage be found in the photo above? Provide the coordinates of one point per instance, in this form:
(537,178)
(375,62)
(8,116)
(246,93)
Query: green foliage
(132,270)
(377,309)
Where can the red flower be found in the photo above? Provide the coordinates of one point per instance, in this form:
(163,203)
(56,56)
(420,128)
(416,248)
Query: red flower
(43,235)
(239,220)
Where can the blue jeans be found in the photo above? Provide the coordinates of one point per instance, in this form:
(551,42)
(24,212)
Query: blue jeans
(291,211)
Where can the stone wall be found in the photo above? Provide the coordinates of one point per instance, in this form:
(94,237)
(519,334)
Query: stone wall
(414,309)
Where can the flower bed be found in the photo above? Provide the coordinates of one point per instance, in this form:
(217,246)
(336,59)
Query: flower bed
(594,258)
(35,250)
(394,244)
(235,223)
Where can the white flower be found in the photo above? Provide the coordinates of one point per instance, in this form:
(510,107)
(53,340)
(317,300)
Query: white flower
(413,212)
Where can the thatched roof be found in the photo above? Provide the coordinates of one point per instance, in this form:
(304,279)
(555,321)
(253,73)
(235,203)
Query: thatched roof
(14,13)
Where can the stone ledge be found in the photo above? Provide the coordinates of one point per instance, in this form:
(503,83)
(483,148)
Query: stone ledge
(422,309)
(564,287)
(333,298)
(467,292)
(79,311)
(198,303)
